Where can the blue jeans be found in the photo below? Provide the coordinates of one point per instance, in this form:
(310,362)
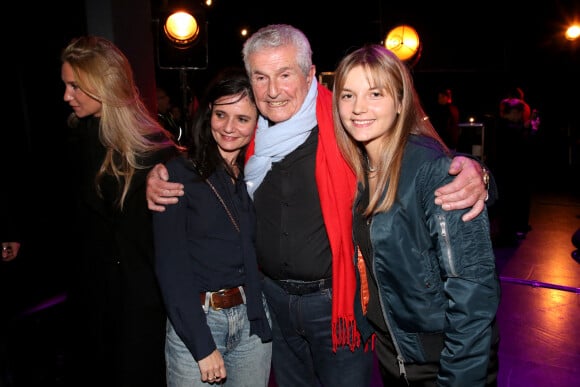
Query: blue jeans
(247,359)
(302,353)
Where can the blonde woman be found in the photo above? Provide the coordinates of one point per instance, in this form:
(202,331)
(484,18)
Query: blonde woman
(427,284)
(116,310)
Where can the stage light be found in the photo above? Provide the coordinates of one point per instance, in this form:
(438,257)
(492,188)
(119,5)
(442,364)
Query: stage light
(573,32)
(404,42)
(182,39)
(181,28)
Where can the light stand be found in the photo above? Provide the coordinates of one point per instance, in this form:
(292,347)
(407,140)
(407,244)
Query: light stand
(182,40)
(184,100)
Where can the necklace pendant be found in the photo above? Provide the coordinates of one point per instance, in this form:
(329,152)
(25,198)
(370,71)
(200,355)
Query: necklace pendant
(369,167)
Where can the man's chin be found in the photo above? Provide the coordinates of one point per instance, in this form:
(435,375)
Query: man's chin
(276,116)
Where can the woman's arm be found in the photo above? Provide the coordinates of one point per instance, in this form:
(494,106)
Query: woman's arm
(176,271)
(470,284)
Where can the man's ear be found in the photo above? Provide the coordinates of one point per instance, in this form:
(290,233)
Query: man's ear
(311,73)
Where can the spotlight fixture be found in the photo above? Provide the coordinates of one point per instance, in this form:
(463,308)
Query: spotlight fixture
(182,39)
(404,42)
(181,28)
(573,32)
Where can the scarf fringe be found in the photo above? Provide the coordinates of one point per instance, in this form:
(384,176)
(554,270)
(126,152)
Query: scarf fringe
(344,332)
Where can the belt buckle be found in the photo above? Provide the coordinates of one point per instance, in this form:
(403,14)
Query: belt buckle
(211,303)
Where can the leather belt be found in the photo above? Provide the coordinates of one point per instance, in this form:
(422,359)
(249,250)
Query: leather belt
(224,298)
(300,288)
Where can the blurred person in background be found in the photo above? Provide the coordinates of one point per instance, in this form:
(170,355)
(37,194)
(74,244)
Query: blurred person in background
(511,159)
(166,114)
(445,119)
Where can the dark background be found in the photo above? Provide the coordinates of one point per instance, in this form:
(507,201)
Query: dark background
(478,49)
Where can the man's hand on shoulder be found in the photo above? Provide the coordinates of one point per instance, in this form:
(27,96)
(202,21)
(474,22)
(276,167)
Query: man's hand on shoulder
(161,192)
(468,189)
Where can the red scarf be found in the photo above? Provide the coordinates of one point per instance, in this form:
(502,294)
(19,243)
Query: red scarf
(336,184)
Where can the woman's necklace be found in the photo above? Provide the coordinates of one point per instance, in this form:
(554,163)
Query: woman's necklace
(369,168)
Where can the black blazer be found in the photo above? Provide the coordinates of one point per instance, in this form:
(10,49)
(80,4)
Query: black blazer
(114,295)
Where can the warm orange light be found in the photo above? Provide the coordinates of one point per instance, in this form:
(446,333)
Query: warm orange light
(403,41)
(573,32)
(181,28)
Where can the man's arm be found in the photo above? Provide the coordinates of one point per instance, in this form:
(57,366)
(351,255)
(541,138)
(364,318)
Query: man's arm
(160,192)
(466,190)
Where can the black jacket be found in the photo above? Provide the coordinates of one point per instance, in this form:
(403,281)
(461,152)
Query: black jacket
(118,316)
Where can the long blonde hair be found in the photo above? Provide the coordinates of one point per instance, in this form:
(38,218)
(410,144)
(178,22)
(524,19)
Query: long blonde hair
(386,72)
(128,131)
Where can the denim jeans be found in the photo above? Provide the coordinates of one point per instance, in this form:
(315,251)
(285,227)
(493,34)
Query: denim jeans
(302,343)
(247,359)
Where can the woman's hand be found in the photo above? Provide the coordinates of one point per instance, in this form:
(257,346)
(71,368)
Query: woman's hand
(212,368)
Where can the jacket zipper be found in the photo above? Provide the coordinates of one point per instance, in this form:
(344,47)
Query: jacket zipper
(400,358)
(447,244)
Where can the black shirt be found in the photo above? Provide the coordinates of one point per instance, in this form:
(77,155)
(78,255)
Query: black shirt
(362,236)
(291,237)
